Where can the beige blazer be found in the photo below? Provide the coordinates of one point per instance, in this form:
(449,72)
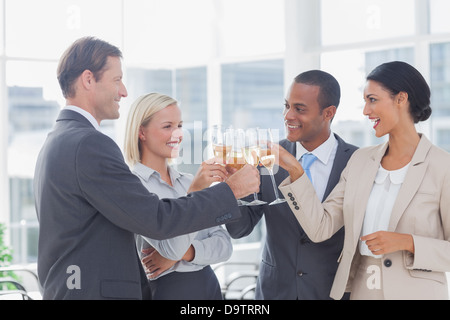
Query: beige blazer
(422,208)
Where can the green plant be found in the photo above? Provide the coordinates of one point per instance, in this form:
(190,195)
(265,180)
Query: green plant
(5,256)
(5,251)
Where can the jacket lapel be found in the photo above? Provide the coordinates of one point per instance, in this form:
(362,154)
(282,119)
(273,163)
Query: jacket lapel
(413,180)
(340,161)
(365,186)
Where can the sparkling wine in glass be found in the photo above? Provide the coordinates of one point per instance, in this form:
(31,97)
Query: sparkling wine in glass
(252,154)
(221,143)
(236,158)
(267,159)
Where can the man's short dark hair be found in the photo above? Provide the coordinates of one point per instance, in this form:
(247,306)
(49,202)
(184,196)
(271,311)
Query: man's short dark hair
(330,91)
(87,53)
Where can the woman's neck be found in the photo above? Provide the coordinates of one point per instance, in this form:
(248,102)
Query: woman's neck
(402,146)
(158,164)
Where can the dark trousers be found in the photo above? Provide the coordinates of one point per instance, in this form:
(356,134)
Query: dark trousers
(196,285)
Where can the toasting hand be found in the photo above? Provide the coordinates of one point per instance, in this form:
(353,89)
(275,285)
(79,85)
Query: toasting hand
(244,182)
(210,171)
(287,161)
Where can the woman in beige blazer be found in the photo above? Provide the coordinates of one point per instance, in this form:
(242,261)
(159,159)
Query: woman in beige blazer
(393,199)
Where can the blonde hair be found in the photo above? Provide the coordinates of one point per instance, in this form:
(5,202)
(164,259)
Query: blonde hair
(140,114)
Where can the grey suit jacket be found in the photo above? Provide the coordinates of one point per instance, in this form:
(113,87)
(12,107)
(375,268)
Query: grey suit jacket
(292,266)
(89,207)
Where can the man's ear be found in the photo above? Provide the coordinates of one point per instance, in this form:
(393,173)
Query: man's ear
(329,113)
(87,79)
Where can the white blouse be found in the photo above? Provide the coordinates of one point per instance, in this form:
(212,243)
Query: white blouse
(381,201)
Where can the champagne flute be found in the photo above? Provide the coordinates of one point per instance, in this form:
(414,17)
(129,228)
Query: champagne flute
(221,143)
(268,161)
(251,154)
(236,159)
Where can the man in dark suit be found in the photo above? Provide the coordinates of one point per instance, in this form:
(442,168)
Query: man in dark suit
(292,266)
(90,205)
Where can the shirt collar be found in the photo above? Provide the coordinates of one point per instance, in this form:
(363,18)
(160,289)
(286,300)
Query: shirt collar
(146,172)
(395,176)
(322,152)
(86,114)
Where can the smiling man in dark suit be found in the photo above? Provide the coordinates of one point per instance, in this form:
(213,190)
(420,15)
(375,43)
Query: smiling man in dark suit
(90,205)
(292,266)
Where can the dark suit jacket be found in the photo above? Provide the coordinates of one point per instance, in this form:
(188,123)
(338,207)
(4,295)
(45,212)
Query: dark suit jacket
(89,207)
(292,266)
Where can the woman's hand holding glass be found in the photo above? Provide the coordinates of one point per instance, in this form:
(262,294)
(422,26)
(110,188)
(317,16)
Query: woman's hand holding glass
(287,161)
(210,171)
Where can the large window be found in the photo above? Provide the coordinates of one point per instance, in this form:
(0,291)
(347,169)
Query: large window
(378,31)
(440,79)
(225,61)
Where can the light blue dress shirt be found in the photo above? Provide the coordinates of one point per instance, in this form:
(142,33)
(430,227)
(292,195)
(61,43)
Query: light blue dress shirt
(321,168)
(212,245)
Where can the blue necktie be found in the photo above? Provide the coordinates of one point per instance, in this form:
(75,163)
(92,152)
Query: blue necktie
(307,161)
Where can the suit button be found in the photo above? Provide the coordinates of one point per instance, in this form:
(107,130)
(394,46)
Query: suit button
(305,241)
(387,263)
(294,203)
(292,198)
(300,273)
(297,208)
(290,194)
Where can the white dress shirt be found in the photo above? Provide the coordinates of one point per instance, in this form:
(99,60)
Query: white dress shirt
(211,245)
(321,168)
(86,114)
(381,201)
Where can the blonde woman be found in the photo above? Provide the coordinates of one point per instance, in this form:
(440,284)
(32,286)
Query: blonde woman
(177,268)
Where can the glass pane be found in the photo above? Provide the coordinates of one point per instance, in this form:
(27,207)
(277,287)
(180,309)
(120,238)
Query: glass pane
(440,79)
(349,21)
(140,81)
(47,27)
(168,31)
(251,27)
(439,21)
(350,68)
(375,58)
(253,95)
(191,93)
(443,139)
(23,224)
(33,105)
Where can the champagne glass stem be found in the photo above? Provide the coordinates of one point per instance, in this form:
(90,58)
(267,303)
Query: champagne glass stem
(275,189)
